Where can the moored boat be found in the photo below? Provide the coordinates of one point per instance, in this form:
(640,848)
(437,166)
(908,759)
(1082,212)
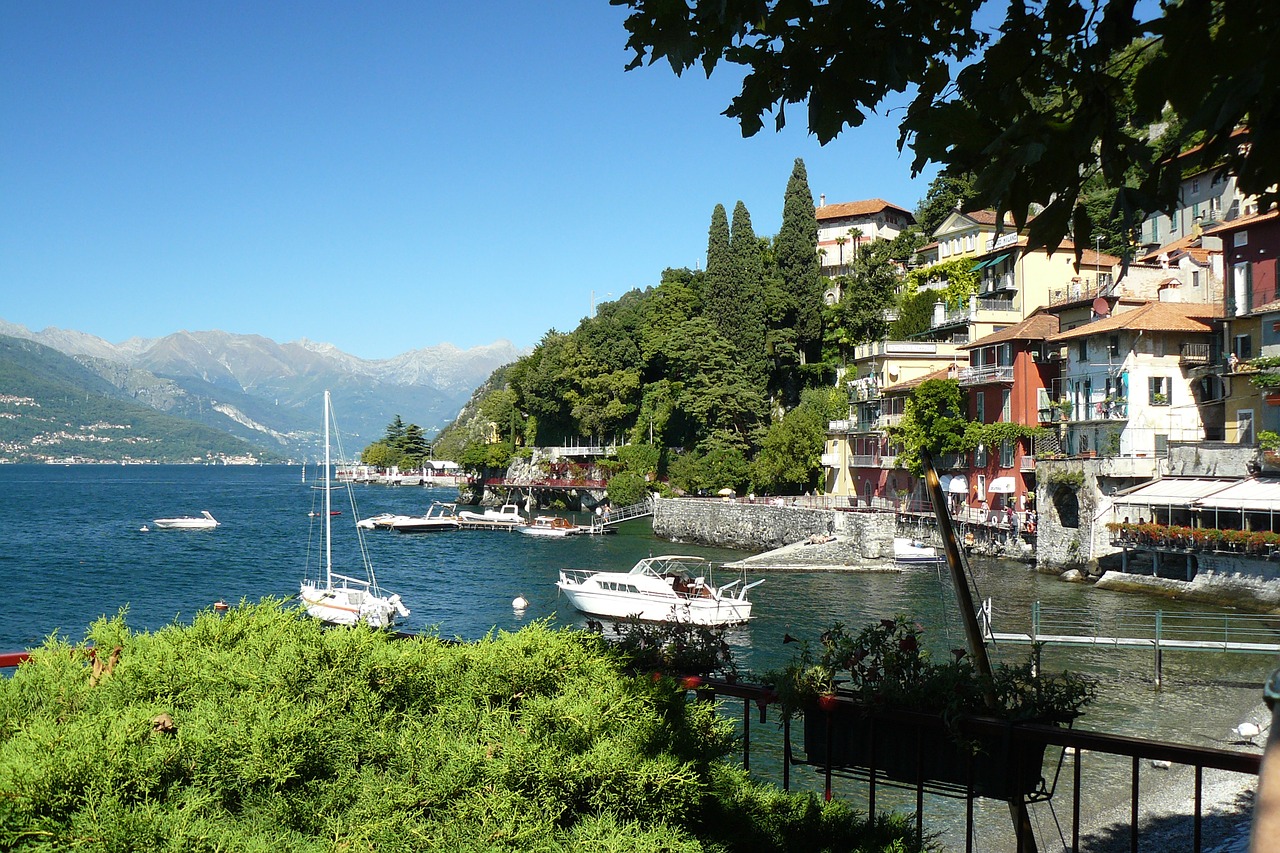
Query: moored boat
(440,516)
(508,514)
(341,599)
(911,552)
(204,521)
(550,526)
(669,588)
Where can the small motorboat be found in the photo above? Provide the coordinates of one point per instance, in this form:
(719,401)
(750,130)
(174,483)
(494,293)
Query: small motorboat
(509,514)
(911,552)
(204,521)
(659,589)
(550,526)
(440,516)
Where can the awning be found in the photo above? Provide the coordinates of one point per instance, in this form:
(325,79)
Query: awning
(1001,486)
(997,259)
(979,265)
(958,485)
(1174,491)
(1254,495)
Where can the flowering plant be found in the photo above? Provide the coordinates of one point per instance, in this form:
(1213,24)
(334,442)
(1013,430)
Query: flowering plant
(885,665)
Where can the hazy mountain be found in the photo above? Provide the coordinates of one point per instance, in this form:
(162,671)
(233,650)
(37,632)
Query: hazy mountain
(270,393)
(53,407)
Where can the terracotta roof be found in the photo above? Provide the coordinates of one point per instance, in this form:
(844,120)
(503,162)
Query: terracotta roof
(1182,244)
(948,372)
(988,217)
(1038,327)
(1244,222)
(1269,308)
(1153,317)
(859,208)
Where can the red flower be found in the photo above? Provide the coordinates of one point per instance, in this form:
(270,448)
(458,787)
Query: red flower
(691,682)
(828,702)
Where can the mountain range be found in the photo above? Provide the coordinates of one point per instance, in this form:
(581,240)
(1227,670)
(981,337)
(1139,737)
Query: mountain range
(267,394)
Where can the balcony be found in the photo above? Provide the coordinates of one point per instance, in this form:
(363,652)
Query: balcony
(996,305)
(867,460)
(831,460)
(887,421)
(1100,408)
(1028,463)
(985,374)
(839,426)
(1194,354)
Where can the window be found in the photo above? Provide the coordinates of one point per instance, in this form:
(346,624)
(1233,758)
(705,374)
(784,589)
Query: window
(980,407)
(980,456)
(1113,346)
(1082,349)
(1158,390)
(1195,278)
(1005,406)
(1240,238)
(1004,355)
(1006,454)
(1242,346)
(1195,185)
(1241,288)
(1173,221)
(1162,444)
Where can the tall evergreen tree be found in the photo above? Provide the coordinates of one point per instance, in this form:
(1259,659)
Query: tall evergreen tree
(745,324)
(796,251)
(716,282)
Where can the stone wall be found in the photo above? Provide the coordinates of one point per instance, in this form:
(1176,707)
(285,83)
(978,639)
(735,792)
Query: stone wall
(761,527)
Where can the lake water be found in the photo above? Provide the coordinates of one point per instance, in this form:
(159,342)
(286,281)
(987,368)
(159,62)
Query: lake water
(71,550)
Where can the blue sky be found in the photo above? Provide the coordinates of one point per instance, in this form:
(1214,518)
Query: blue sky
(382,177)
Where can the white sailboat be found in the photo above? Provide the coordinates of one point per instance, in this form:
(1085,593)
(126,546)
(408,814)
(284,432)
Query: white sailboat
(339,599)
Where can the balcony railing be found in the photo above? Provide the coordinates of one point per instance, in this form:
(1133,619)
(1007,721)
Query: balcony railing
(840,426)
(1028,463)
(996,305)
(1193,353)
(886,421)
(831,460)
(986,373)
(864,460)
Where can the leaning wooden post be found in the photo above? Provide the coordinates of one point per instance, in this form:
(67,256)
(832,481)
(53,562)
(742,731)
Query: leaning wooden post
(973,634)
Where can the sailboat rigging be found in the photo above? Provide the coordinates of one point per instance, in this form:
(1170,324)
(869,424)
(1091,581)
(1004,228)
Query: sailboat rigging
(341,599)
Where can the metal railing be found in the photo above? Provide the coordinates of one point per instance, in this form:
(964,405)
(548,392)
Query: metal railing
(986,373)
(1082,753)
(1193,353)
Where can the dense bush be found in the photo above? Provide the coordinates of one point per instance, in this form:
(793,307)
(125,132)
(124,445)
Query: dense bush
(258,730)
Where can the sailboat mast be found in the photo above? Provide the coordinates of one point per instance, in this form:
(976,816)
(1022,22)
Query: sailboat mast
(328,501)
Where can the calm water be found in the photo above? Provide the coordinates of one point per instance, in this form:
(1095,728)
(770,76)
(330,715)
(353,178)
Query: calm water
(71,545)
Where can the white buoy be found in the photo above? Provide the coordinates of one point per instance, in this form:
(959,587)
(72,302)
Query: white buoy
(520,602)
(144,529)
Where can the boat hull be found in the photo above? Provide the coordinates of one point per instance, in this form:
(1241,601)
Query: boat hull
(593,599)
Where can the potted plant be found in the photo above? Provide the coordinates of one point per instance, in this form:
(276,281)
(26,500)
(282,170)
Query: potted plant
(878,699)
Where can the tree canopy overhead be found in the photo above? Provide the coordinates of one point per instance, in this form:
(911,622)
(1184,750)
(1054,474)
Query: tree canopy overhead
(1063,91)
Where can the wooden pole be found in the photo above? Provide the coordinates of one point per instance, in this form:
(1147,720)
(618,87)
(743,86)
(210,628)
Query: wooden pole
(1026,838)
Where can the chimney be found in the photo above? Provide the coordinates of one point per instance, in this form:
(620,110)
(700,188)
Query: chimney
(822,200)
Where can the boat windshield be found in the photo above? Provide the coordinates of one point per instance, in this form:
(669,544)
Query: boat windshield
(688,567)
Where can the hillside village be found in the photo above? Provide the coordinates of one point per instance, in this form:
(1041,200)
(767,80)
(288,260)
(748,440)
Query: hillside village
(1144,390)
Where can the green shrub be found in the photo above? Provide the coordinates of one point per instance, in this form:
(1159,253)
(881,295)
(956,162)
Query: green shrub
(259,730)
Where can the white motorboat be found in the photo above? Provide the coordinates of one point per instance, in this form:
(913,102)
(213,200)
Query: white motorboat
(440,516)
(340,599)
(659,589)
(550,526)
(204,521)
(911,552)
(381,521)
(508,514)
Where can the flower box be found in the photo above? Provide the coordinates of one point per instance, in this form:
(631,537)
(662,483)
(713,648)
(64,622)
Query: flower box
(911,748)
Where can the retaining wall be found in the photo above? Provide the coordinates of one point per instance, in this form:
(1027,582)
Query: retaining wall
(762,527)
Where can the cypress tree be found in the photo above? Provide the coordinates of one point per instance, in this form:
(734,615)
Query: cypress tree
(796,252)
(717,298)
(747,321)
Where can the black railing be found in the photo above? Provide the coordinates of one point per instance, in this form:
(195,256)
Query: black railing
(1021,739)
